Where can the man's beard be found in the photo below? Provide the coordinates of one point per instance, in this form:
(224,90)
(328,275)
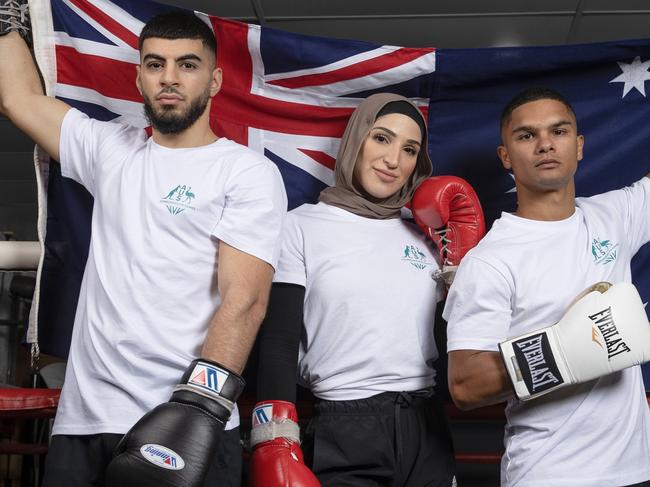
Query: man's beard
(166,121)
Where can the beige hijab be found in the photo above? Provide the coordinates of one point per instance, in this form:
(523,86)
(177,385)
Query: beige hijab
(344,194)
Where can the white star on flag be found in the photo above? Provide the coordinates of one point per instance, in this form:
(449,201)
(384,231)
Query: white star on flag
(634,75)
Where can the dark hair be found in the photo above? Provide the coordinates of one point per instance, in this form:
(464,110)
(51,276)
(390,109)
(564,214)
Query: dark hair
(179,25)
(532,94)
(404,108)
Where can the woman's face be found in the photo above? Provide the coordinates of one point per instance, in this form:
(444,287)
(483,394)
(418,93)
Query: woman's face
(388,156)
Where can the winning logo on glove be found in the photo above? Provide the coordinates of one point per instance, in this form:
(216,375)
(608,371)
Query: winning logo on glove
(162,457)
(208,377)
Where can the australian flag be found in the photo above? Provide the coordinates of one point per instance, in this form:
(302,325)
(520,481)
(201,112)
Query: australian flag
(289,96)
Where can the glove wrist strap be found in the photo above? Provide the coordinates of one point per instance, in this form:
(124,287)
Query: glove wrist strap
(217,388)
(275,429)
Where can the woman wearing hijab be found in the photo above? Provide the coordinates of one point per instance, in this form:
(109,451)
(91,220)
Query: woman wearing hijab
(351,315)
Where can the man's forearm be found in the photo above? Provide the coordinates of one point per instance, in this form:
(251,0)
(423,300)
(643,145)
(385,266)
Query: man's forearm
(233,331)
(244,286)
(22,99)
(478,378)
(18,74)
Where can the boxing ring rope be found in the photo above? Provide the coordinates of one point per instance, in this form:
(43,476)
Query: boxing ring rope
(17,403)
(19,256)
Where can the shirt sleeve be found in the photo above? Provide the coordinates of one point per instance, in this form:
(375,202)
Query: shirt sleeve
(291,267)
(478,309)
(82,140)
(629,207)
(254,211)
(638,196)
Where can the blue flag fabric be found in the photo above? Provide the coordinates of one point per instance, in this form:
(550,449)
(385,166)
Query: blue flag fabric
(605,83)
(290,95)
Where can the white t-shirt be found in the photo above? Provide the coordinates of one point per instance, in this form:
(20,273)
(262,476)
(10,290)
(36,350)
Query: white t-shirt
(369,302)
(521,277)
(149,289)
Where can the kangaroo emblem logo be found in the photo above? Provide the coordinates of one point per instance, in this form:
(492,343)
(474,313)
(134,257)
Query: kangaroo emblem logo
(415,257)
(179,199)
(603,251)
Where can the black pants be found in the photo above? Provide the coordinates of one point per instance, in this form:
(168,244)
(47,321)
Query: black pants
(392,439)
(81,461)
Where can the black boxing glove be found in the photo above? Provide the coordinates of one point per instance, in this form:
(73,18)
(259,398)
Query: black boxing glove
(174,443)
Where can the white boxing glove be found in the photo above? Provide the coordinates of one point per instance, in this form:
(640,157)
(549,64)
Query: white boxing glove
(605,330)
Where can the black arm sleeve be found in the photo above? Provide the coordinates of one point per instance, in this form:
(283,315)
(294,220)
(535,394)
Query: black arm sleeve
(440,335)
(279,339)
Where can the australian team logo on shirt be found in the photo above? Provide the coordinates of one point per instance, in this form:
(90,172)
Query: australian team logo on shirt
(415,257)
(178,199)
(604,251)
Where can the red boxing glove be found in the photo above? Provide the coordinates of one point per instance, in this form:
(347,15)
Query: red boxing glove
(277,459)
(447,210)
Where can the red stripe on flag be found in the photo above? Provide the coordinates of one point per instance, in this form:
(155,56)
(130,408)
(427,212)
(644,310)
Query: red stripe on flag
(363,68)
(425,112)
(115,79)
(235,109)
(320,157)
(105,21)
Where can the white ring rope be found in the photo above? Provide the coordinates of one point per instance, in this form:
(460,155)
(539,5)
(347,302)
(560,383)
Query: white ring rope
(19,256)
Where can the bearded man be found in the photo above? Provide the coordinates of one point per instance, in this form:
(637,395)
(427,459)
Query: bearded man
(178,272)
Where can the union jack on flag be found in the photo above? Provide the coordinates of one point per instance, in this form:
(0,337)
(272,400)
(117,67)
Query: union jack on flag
(280,96)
